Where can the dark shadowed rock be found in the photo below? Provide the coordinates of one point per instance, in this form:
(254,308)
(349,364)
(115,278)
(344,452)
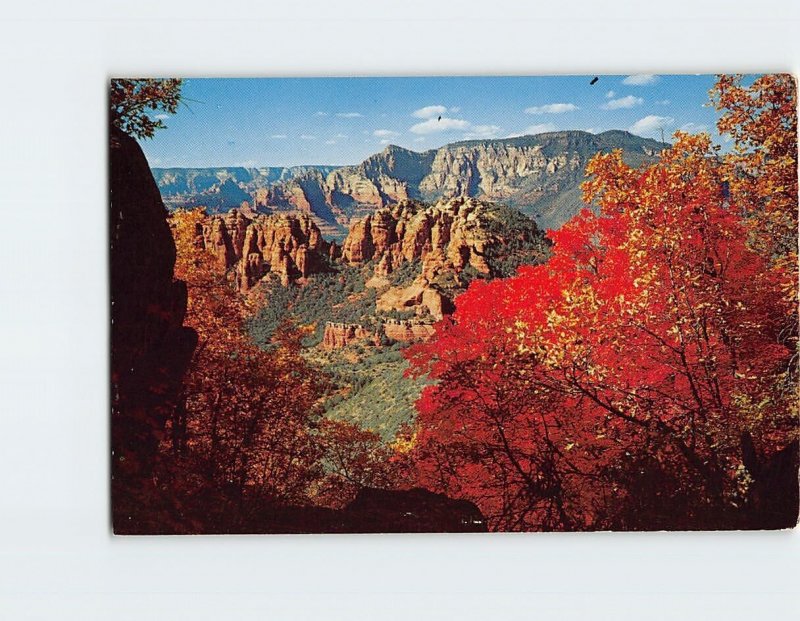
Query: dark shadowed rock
(373,511)
(773,497)
(150,348)
(412,511)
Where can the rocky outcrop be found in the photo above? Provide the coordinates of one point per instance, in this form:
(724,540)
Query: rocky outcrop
(414,510)
(339,335)
(419,296)
(373,510)
(358,246)
(451,234)
(290,245)
(448,239)
(150,349)
(407,331)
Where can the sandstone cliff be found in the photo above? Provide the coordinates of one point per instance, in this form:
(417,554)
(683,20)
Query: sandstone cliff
(338,335)
(407,331)
(449,234)
(538,174)
(453,241)
(416,258)
(289,245)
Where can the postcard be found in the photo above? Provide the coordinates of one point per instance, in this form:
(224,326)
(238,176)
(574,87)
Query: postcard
(454,304)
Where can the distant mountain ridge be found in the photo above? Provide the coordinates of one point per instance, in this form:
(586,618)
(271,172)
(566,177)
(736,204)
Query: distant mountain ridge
(222,188)
(538,174)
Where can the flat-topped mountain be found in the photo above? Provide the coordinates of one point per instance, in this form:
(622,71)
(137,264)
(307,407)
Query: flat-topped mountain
(538,174)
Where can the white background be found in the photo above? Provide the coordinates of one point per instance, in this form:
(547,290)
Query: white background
(57,557)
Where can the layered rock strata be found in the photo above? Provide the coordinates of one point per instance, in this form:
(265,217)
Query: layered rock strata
(290,245)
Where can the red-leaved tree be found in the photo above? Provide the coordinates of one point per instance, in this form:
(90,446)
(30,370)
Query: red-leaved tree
(622,383)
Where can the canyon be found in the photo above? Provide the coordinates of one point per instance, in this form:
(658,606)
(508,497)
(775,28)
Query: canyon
(538,174)
(413,257)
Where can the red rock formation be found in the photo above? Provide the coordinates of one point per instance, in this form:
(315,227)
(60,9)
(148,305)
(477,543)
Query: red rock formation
(416,239)
(446,238)
(217,241)
(384,266)
(407,331)
(289,245)
(382,231)
(401,299)
(338,335)
(450,232)
(358,247)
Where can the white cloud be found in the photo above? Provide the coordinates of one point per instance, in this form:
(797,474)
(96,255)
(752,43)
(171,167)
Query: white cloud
(385,133)
(278,136)
(320,113)
(623,102)
(650,124)
(349,115)
(162,117)
(436,121)
(553,108)
(307,137)
(610,94)
(384,141)
(428,112)
(640,79)
(540,128)
(663,102)
(330,141)
(419,139)
(341,136)
(483,131)
(433,125)
(693,128)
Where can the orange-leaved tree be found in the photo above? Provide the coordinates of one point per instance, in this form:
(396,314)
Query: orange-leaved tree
(761,168)
(354,458)
(246,433)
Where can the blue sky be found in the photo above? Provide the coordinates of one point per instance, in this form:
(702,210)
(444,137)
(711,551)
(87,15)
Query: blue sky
(292,121)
